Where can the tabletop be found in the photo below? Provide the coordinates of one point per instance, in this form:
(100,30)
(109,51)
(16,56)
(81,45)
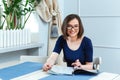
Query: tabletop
(33,71)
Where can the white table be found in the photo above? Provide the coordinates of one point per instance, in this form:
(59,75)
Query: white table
(33,71)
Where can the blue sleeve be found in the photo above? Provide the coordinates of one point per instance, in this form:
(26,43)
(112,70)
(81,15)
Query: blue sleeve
(59,45)
(88,50)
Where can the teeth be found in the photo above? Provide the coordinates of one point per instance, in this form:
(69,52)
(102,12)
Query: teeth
(72,32)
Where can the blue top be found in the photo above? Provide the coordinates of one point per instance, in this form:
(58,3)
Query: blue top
(84,53)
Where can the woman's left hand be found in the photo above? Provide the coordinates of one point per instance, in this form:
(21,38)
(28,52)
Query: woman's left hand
(77,64)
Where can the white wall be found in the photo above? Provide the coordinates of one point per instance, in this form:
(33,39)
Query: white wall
(101,20)
(71,6)
(99,8)
(43,37)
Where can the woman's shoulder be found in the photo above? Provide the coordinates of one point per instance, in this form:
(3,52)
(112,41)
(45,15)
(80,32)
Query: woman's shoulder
(86,38)
(87,41)
(61,38)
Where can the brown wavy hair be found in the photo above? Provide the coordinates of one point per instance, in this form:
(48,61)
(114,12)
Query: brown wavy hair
(65,23)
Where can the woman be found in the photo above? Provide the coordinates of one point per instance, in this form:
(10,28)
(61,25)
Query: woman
(77,48)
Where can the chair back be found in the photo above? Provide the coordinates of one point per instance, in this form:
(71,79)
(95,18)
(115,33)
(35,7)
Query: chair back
(40,59)
(97,62)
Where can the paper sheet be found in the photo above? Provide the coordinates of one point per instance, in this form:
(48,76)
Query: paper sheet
(117,78)
(105,76)
(56,69)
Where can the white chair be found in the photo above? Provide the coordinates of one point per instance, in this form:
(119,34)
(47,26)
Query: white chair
(97,62)
(40,59)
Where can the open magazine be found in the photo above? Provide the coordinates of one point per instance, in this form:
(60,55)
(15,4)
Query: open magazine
(57,69)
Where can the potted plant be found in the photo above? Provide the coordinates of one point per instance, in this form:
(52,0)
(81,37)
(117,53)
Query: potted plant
(1,24)
(16,13)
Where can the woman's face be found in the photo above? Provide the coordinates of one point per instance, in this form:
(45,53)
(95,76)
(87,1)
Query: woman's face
(73,28)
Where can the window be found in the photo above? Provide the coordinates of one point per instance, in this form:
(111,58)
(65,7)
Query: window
(32,23)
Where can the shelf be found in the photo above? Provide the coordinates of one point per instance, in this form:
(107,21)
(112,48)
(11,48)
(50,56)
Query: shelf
(22,47)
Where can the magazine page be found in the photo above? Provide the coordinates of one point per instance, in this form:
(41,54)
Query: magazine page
(117,78)
(57,69)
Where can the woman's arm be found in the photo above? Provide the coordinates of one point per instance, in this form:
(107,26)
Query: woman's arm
(87,66)
(50,61)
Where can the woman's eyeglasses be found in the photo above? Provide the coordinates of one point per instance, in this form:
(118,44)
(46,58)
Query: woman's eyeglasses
(69,27)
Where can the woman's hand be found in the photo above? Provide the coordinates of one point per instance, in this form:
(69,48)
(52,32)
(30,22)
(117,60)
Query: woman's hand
(77,64)
(47,67)
(50,61)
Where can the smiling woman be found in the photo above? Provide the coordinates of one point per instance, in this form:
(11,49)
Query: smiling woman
(77,48)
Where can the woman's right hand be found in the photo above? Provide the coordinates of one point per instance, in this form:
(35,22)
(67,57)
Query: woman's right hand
(50,61)
(47,67)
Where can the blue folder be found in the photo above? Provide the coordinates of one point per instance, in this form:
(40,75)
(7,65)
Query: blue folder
(19,70)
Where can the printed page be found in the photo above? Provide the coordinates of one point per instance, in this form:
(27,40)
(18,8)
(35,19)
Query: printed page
(105,76)
(57,69)
(117,78)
